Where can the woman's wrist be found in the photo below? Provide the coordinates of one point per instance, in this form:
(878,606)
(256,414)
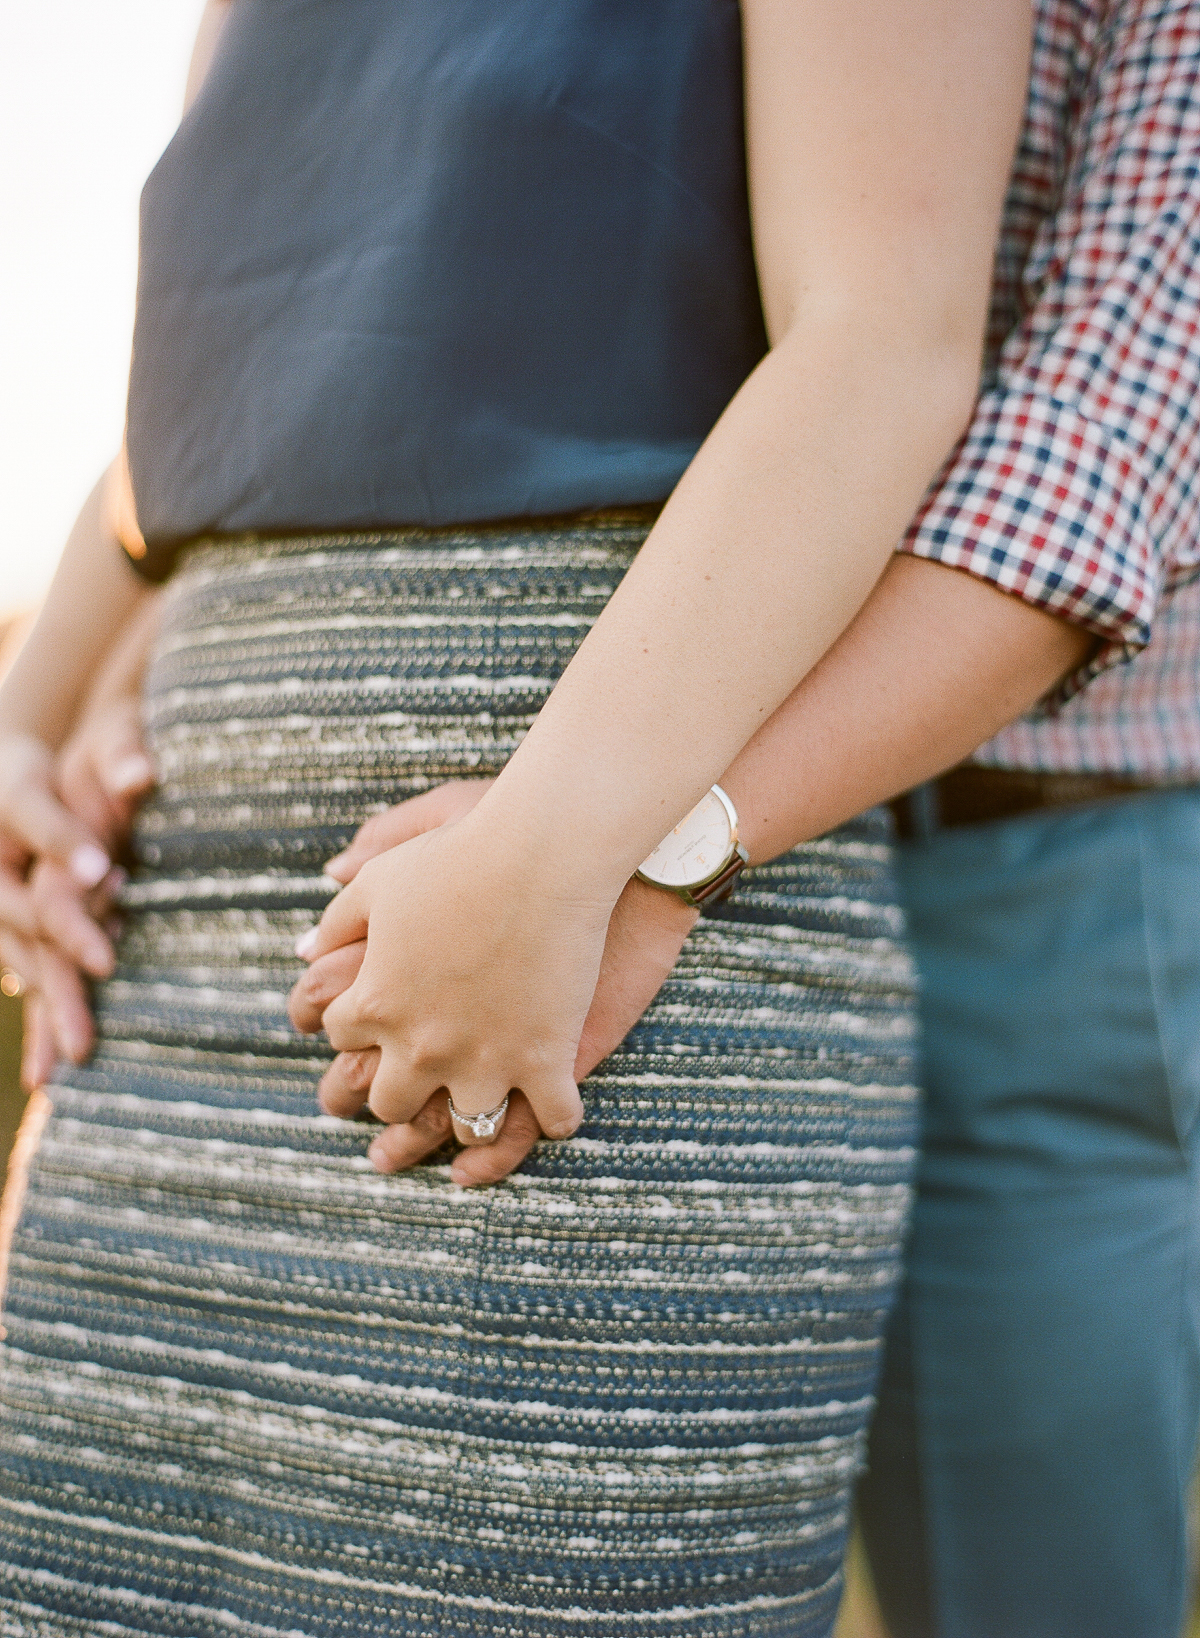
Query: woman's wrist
(550,845)
(567,846)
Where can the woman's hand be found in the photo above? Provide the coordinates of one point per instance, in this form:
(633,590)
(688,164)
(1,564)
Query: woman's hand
(60,826)
(104,770)
(644,936)
(102,775)
(37,827)
(479,970)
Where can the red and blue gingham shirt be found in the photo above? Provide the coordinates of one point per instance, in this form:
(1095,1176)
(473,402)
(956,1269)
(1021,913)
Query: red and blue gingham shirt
(1077,485)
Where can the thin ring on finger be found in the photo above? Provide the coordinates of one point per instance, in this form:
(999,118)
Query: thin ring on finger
(473,1131)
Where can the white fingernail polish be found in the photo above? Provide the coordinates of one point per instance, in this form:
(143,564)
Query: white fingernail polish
(131,771)
(306,945)
(89,864)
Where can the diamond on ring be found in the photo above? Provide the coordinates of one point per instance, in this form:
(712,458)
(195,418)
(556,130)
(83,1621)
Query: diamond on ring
(11,983)
(478,1129)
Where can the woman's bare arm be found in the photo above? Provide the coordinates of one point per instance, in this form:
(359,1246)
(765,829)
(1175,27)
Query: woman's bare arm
(79,665)
(95,590)
(880,140)
(93,593)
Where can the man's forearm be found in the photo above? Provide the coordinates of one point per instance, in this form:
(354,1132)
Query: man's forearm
(934,664)
(91,598)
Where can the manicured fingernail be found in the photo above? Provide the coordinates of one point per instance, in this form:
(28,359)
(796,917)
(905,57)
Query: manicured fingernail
(90,864)
(306,945)
(336,860)
(130,773)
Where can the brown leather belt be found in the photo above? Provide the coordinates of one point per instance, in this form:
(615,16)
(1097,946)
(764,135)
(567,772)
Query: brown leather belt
(974,795)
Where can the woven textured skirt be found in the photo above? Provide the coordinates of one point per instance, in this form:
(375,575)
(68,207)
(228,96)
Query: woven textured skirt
(252,1387)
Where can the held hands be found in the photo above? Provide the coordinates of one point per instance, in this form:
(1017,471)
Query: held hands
(60,826)
(482,984)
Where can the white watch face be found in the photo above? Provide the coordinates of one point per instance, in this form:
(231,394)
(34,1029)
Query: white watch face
(696,849)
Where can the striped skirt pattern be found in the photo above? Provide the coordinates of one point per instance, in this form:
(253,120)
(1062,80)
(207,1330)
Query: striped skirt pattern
(251,1387)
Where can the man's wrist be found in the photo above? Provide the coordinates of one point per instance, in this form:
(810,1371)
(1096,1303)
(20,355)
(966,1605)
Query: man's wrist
(741,793)
(666,907)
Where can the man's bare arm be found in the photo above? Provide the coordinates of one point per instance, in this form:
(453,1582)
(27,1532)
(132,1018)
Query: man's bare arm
(934,664)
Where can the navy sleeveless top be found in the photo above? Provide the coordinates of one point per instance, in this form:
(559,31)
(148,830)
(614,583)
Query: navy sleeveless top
(441,261)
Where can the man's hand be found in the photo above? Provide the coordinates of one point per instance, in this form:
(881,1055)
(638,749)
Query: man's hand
(645,934)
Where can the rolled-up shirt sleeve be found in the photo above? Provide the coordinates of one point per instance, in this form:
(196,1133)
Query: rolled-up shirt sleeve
(1054,509)
(1077,485)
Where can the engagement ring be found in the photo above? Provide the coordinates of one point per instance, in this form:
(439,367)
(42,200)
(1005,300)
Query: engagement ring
(472,1131)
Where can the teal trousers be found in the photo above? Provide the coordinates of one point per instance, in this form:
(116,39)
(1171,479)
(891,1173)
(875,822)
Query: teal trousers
(1032,1452)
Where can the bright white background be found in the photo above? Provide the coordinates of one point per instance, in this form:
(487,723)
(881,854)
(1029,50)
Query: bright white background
(90,92)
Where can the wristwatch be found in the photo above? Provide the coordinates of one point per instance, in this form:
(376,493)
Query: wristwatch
(701,858)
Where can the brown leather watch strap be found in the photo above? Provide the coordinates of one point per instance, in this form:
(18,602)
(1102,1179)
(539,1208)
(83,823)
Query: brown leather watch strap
(719,889)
